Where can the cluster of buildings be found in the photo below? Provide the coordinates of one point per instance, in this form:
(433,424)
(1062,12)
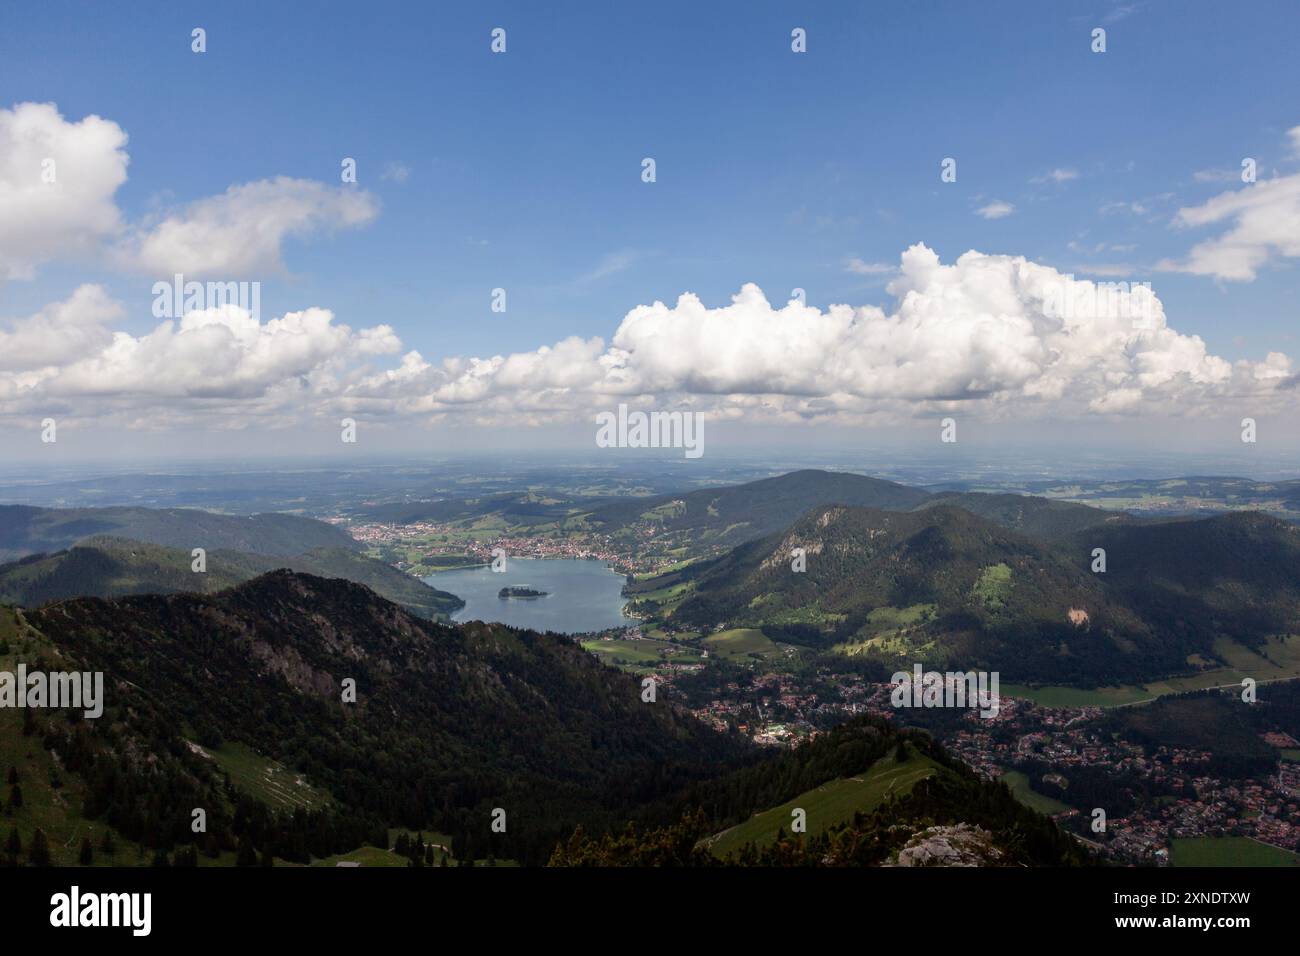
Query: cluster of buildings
(433,540)
(780,709)
(1219,808)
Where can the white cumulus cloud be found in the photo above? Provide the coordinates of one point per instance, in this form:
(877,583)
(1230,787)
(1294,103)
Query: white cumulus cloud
(60,332)
(997,209)
(989,334)
(240,233)
(220,362)
(57,181)
(1263,224)
(993,336)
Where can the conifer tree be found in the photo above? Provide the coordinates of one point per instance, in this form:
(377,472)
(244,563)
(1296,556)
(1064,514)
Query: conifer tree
(39,854)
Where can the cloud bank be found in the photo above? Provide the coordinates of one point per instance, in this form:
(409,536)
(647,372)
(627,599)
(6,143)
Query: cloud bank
(986,335)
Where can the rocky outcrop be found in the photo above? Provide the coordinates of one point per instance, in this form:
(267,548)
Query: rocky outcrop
(960,845)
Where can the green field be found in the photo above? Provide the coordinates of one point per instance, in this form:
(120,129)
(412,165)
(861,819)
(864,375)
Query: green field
(265,779)
(668,596)
(893,618)
(740,642)
(653,630)
(890,631)
(373,856)
(1229,851)
(994,586)
(1019,785)
(832,803)
(365,856)
(644,653)
(1054,696)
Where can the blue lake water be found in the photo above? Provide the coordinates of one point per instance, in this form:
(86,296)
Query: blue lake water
(580,595)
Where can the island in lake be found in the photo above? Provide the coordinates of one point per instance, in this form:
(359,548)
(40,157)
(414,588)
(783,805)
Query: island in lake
(519,591)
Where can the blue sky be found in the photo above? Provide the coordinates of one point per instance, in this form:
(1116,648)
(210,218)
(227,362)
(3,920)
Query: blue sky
(522,170)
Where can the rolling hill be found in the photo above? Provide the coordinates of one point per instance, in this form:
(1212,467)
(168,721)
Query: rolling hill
(710,519)
(935,585)
(108,567)
(1232,575)
(1034,517)
(25,530)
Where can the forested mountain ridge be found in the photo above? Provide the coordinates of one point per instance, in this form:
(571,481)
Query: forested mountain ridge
(1233,575)
(448,724)
(114,567)
(1040,518)
(940,584)
(26,530)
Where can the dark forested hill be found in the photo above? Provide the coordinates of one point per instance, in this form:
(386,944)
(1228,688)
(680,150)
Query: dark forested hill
(448,724)
(1233,575)
(25,530)
(1031,516)
(114,567)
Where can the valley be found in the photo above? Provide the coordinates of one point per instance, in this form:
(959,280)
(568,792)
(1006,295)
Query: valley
(767,613)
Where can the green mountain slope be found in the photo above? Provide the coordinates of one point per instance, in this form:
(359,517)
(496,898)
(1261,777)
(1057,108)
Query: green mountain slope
(940,584)
(936,585)
(830,804)
(448,724)
(113,567)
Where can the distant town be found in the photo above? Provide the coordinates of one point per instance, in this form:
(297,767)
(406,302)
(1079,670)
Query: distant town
(782,710)
(435,544)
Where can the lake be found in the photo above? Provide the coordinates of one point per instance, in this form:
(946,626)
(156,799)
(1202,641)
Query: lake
(580,595)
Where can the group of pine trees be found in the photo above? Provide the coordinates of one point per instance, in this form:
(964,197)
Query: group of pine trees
(149,803)
(37,852)
(390,761)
